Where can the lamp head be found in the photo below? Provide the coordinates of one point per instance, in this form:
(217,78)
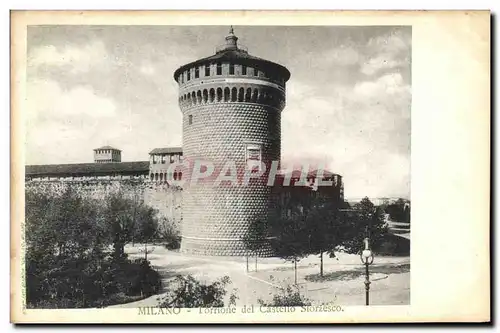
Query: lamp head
(366,254)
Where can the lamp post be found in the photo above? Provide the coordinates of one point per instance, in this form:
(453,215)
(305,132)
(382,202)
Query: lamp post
(367,259)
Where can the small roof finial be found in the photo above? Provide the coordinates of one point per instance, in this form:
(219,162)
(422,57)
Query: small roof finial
(231,39)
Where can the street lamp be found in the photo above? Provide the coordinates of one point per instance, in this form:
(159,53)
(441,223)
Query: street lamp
(367,259)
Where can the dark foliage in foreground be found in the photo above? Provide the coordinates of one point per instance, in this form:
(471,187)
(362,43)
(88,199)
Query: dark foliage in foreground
(191,293)
(74,251)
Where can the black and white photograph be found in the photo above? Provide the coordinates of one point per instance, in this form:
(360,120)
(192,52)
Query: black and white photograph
(138,143)
(241,170)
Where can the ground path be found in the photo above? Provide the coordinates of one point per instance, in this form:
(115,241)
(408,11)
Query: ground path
(343,283)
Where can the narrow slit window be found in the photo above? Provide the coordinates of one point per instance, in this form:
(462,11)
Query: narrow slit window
(196,73)
(189,75)
(207,70)
(231,69)
(243,70)
(219,69)
(190,119)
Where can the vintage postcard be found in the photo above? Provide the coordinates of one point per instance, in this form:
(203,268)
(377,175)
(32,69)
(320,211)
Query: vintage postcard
(250,167)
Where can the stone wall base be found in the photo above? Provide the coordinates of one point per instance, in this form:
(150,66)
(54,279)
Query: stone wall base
(204,247)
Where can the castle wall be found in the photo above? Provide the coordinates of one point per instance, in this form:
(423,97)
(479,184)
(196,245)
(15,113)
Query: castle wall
(161,196)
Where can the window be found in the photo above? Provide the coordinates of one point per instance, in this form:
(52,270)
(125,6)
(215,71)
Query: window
(231,69)
(253,156)
(234,94)
(189,75)
(219,69)
(207,70)
(190,119)
(196,73)
(255,72)
(243,70)
(212,95)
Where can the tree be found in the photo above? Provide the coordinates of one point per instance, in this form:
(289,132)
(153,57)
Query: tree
(120,214)
(289,238)
(146,226)
(322,224)
(399,211)
(68,260)
(255,237)
(169,233)
(364,220)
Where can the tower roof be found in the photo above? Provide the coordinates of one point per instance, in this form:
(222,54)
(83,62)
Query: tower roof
(230,52)
(107,147)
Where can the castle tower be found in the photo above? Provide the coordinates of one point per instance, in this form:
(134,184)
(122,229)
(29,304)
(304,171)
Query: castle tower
(107,154)
(231,104)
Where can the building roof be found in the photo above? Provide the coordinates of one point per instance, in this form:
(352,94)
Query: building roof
(87,168)
(233,54)
(313,173)
(167,150)
(107,147)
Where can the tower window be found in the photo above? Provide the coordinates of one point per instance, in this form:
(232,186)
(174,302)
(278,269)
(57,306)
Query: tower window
(196,73)
(207,70)
(189,75)
(255,72)
(190,119)
(231,69)
(243,70)
(219,69)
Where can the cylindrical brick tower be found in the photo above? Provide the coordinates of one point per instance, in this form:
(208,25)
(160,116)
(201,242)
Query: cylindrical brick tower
(231,104)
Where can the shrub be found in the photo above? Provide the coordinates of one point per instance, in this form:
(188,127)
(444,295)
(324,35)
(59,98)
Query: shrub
(393,245)
(69,263)
(170,234)
(192,293)
(289,297)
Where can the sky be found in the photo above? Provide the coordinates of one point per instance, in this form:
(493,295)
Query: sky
(348,97)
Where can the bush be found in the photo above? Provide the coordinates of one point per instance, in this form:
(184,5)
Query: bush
(170,234)
(69,263)
(192,293)
(173,244)
(289,297)
(85,283)
(393,245)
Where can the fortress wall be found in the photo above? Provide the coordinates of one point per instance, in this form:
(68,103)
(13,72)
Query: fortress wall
(163,197)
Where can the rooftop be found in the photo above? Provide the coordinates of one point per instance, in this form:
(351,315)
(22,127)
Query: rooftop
(230,52)
(87,168)
(107,147)
(167,150)
(310,174)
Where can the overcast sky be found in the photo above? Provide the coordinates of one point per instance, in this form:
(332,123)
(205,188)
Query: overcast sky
(348,98)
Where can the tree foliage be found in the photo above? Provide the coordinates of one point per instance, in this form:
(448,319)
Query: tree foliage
(290,297)
(169,233)
(399,211)
(365,220)
(192,293)
(74,252)
(323,226)
(256,235)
